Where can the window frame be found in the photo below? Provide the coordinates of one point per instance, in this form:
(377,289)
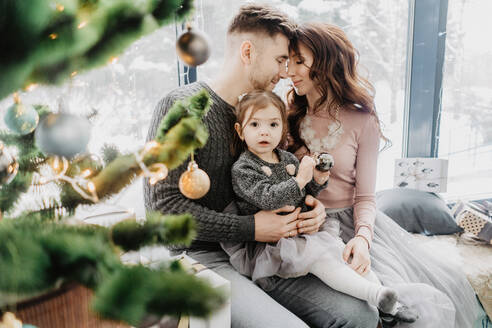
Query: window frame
(423,91)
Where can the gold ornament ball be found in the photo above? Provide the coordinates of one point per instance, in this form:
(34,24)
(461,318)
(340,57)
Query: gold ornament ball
(192,47)
(194,183)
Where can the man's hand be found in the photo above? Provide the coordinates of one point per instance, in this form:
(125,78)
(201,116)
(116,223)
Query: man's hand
(312,220)
(359,249)
(270,226)
(305,172)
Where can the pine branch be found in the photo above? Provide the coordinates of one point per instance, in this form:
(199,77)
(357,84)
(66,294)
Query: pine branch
(55,213)
(10,193)
(157,229)
(36,254)
(180,142)
(109,153)
(174,115)
(200,104)
(196,106)
(159,292)
(82,35)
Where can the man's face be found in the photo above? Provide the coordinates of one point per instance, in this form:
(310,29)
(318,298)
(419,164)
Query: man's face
(269,65)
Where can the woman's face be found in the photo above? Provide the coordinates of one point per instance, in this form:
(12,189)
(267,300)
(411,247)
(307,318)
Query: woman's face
(298,70)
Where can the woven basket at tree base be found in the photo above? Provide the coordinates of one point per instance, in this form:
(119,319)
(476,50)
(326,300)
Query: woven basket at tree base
(67,307)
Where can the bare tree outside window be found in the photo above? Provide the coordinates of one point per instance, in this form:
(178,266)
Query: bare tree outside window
(466,117)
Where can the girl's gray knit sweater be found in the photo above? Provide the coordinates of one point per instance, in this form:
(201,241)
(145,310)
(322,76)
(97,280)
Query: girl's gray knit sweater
(216,159)
(260,185)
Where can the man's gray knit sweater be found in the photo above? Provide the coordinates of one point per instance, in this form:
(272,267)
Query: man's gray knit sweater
(215,159)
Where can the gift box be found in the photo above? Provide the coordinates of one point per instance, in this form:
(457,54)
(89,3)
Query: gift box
(474,218)
(425,174)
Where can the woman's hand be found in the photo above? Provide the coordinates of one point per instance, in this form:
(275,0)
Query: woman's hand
(312,220)
(359,249)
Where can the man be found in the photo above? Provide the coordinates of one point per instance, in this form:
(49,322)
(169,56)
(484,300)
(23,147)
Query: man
(255,58)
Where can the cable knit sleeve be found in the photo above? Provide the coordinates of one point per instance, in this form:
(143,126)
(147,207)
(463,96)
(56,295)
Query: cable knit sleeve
(212,225)
(365,179)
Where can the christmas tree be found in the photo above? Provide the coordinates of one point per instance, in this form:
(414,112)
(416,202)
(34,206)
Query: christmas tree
(46,41)
(43,248)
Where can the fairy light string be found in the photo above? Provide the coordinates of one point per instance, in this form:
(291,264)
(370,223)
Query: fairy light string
(80,184)
(155,172)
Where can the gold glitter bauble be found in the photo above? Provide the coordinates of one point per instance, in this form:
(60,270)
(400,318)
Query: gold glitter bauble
(194,183)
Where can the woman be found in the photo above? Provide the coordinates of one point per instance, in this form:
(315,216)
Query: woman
(331,109)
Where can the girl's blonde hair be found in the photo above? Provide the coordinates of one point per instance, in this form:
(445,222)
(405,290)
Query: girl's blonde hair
(257,100)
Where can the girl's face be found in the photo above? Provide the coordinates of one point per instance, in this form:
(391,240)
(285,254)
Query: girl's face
(261,131)
(298,70)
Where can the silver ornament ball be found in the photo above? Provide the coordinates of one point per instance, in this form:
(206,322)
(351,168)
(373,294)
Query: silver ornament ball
(193,47)
(324,162)
(63,135)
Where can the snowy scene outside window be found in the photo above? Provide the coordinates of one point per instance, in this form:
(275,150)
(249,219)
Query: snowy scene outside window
(466,118)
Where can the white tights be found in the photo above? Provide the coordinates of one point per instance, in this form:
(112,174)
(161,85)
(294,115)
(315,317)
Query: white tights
(341,277)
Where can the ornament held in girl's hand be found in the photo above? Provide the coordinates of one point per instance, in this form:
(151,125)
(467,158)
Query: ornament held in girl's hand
(192,47)
(194,183)
(324,162)
(63,135)
(8,166)
(21,119)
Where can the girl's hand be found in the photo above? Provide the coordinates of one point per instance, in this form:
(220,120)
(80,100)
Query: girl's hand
(305,172)
(321,177)
(359,249)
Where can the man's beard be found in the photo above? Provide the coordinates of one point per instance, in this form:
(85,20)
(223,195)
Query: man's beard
(260,82)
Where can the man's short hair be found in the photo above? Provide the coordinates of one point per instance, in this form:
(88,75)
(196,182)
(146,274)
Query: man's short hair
(259,18)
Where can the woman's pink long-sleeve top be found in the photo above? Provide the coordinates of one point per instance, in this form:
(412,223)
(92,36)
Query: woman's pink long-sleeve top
(353,178)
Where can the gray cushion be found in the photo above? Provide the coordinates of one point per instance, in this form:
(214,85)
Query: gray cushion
(417,211)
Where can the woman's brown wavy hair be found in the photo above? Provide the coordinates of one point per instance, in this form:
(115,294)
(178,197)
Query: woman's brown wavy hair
(334,72)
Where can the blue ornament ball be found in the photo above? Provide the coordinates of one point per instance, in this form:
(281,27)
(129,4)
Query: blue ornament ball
(21,119)
(63,135)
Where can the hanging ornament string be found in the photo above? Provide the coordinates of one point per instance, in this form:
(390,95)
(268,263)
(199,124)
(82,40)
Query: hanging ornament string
(157,171)
(78,183)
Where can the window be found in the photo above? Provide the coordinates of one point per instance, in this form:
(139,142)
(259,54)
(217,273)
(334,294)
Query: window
(378,29)
(466,117)
(123,92)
